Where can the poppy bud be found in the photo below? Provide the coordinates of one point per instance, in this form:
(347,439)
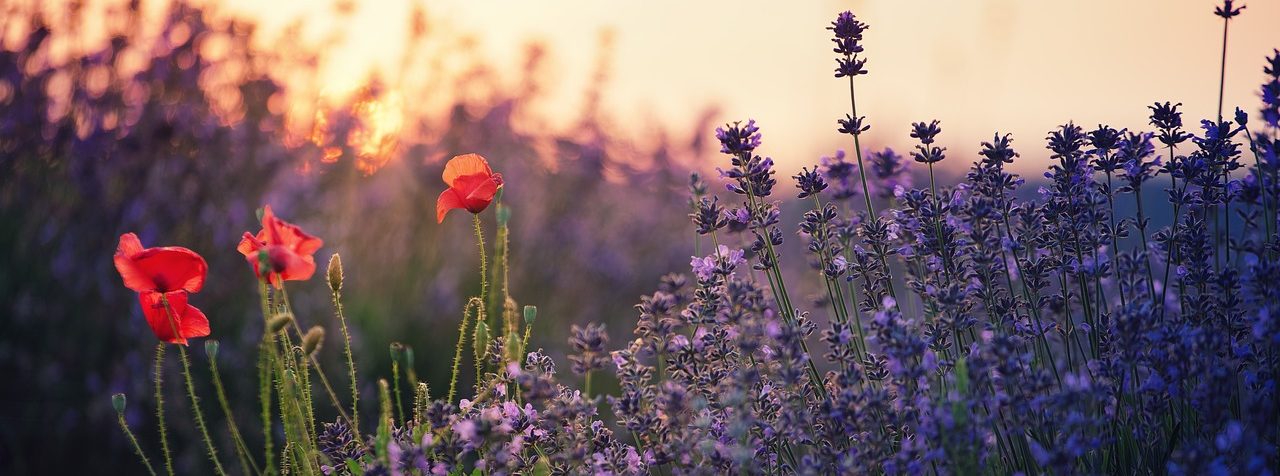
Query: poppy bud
(211,349)
(278,322)
(530,315)
(312,339)
(118,402)
(335,273)
(481,340)
(397,352)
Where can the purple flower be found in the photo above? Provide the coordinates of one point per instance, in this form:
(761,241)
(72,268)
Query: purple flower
(739,139)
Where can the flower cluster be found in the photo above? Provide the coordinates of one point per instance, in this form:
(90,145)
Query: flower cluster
(988,326)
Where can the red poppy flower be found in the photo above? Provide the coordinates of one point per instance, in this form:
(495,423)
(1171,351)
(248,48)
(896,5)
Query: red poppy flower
(187,321)
(161,269)
(164,271)
(289,250)
(472,185)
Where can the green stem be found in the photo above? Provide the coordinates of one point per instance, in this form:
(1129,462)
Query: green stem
(136,447)
(351,363)
(462,338)
(314,362)
(862,175)
(266,364)
(191,389)
(395,379)
(164,432)
(242,450)
(195,408)
(484,276)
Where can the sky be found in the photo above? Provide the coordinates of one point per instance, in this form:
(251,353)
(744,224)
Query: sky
(979,66)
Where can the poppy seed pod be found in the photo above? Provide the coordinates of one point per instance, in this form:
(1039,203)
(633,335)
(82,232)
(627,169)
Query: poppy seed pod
(530,315)
(118,402)
(397,352)
(312,340)
(211,349)
(278,322)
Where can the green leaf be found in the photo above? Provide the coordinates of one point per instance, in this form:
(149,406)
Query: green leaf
(354,468)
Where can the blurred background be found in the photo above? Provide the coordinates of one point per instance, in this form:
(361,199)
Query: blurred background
(176,120)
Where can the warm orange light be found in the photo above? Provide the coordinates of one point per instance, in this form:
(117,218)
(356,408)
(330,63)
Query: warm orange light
(375,134)
(368,127)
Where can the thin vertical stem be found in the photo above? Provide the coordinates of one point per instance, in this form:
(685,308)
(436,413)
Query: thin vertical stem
(164,431)
(124,426)
(242,450)
(191,389)
(351,364)
(484,278)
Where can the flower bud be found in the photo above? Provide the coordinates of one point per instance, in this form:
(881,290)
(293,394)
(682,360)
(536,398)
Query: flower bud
(397,352)
(118,402)
(481,340)
(312,340)
(335,273)
(211,349)
(530,315)
(278,322)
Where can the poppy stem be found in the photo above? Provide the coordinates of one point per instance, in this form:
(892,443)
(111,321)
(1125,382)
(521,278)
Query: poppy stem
(351,363)
(462,337)
(484,266)
(242,450)
(324,381)
(191,389)
(164,432)
(265,367)
(124,426)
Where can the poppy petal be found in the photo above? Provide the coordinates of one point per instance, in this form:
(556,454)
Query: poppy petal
(172,268)
(294,238)
(163,269)
(299,267)
(164,324)
(193,324)
(480,196)
(133,278)
(462,165)
(448,200)
(249,245)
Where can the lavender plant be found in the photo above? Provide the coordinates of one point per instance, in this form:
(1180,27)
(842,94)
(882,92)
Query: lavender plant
(973,328)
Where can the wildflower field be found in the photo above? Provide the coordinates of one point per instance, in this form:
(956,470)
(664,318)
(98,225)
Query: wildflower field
(192,283)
